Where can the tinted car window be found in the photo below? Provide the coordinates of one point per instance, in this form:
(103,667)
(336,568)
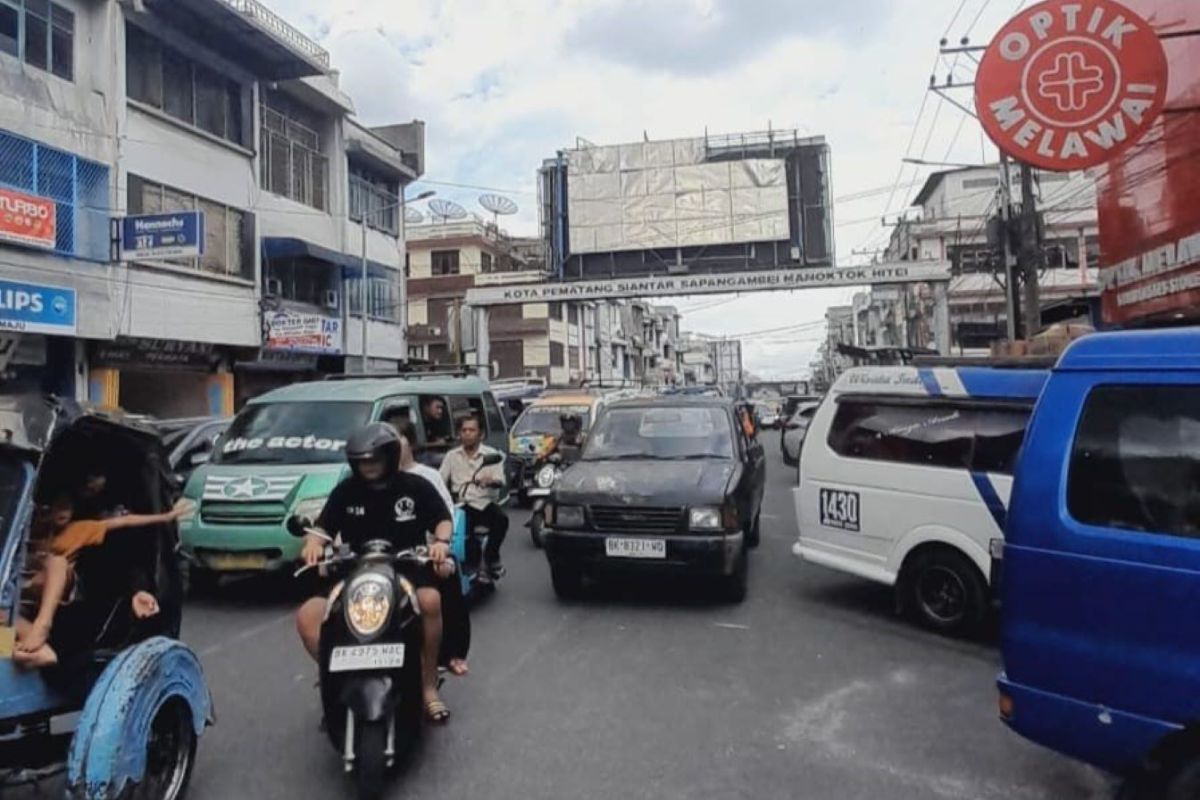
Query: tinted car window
(932,435)
(291,433)
(1135,463)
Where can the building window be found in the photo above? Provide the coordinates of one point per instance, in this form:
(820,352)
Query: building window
(1135,463)
(954,435)
(573,314)
(438,314)
(573,358)
(41,33)
(486,263)
(558,354)
(555,312)
(375,196)
(168,80)
(444,262)
(228,232)
(383,298)
(291,161)
(302,280)
(79,189)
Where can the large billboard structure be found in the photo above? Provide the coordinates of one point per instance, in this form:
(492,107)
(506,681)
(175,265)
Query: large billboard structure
(752,201)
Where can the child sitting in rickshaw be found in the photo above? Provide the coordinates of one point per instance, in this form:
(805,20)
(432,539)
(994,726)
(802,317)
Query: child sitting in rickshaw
(49,591)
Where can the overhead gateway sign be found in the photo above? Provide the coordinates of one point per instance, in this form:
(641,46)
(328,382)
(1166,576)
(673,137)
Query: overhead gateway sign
(1069,85)
(675,285)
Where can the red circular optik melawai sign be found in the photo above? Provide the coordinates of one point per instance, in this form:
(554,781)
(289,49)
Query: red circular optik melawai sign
(1069,84)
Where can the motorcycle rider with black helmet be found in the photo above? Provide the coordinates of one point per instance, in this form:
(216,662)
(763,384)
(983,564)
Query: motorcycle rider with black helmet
(569,444)
(379,501)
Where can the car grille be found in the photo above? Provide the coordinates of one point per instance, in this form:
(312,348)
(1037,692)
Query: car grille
(242,513)
(636,519)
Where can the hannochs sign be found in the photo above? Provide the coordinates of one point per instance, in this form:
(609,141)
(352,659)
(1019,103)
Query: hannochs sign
(674,285)
(1070,85)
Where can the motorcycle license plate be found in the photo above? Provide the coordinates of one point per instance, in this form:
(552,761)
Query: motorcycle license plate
(366,657)
(635,548)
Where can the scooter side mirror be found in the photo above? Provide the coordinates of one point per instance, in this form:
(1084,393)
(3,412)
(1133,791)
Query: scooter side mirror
(297,526)
(492,459)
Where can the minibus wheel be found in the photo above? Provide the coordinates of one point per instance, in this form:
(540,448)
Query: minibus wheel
(946,592)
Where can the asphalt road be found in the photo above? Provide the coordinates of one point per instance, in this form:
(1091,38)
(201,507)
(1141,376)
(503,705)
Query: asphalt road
(810,689)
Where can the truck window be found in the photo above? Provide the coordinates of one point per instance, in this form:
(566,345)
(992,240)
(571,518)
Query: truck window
(1135,463)
(956,436)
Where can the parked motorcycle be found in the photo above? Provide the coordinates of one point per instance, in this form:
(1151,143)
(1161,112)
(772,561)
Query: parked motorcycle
(370,657)
(469,548)
(546,473)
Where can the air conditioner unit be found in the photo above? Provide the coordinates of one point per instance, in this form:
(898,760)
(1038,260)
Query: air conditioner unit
(274,287)
(332,300)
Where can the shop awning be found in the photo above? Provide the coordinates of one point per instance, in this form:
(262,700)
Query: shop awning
(288,247)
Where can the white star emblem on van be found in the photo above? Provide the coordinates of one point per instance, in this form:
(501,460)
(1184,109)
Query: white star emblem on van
(246,487)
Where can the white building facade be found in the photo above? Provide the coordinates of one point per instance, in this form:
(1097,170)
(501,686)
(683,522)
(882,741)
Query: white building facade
(161,106)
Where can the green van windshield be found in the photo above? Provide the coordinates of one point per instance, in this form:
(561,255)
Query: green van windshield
(291,433)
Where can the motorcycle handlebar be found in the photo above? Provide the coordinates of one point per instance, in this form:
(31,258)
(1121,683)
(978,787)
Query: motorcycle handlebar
(415,555)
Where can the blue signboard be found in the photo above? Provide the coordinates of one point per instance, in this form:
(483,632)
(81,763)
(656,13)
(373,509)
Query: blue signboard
(33,308)
(176,235)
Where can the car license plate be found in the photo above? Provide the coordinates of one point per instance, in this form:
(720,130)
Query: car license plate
(366,657)
(635,548)
(230,562)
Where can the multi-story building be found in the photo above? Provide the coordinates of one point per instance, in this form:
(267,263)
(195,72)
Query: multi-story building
(955,221)
(115,108)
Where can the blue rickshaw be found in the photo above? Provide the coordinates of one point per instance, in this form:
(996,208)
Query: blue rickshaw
(120,714)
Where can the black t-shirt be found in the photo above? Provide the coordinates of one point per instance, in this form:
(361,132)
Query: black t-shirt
(400,512)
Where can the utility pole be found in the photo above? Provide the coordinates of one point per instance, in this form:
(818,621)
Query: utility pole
(1030,253)
(1011,285)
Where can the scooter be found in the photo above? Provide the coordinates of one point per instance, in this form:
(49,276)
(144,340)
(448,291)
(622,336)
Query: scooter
(546,473)
(469,545)
(370,657)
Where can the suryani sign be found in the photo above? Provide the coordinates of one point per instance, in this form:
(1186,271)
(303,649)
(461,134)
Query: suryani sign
(676,285)
(1070,85)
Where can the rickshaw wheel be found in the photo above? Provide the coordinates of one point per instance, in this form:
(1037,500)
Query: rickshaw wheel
(170,755)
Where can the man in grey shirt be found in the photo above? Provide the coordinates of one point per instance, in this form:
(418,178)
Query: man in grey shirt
(478,488)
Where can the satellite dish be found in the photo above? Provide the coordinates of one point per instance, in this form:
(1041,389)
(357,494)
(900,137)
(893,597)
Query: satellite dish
(499,205)
(412,215)
(446,209)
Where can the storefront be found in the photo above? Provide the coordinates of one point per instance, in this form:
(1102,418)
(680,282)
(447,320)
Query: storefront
(161,378)
(297,346)
(37,348)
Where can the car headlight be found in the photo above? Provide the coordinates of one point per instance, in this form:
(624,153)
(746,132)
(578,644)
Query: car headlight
(705,518)
(311,508)
(546,476)
(368,604)
(569,516)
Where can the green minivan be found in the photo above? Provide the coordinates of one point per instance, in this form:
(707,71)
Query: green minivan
(283,454)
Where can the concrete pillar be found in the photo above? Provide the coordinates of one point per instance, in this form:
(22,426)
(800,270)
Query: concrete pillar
(941,317)
(483,343)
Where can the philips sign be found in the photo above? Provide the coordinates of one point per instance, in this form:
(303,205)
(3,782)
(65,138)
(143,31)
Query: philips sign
(32,308)
(178,235)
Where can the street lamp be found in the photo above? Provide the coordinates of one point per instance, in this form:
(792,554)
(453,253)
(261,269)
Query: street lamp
(362,293)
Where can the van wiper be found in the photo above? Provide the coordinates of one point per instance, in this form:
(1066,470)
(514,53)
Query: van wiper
(698,457)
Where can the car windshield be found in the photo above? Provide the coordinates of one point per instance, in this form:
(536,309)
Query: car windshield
(660,432)
(548,419)
(291,433)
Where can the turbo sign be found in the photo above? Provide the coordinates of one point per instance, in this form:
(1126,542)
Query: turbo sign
(1070,85)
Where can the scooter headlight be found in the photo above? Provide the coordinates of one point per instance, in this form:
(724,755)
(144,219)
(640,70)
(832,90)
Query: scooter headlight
(368,604)
(545,476)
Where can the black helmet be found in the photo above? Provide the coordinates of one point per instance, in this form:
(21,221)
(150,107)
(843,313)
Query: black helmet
(376,441)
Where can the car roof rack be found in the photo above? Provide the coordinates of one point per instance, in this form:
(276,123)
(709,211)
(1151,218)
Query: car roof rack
(410,372)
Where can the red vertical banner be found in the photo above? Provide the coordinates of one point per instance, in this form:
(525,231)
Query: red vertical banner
(1149,197)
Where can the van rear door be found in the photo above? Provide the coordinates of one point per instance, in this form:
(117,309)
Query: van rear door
(1103,570)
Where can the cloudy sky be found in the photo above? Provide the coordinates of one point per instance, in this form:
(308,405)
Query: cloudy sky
(503,84)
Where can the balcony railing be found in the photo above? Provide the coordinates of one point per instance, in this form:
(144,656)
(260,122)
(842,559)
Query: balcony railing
(278,27)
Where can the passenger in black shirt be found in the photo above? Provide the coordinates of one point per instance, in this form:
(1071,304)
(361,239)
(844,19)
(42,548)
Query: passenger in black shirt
(378,501)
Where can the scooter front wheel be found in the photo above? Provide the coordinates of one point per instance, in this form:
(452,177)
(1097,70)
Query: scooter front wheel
(370,761)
